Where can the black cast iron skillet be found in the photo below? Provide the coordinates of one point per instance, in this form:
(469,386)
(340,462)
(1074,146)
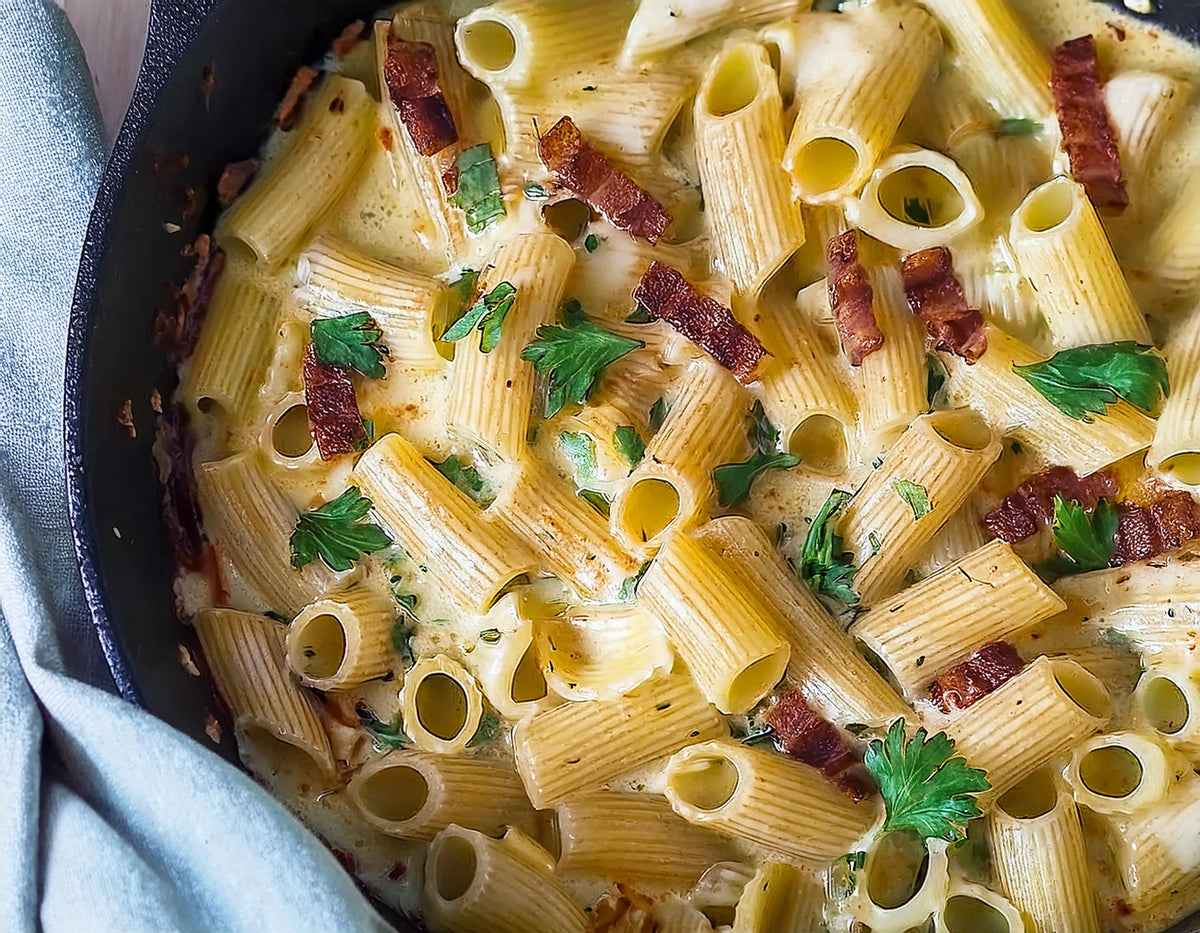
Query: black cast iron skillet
(250,48)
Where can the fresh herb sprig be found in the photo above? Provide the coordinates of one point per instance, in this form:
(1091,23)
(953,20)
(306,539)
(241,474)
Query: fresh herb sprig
(478,191)
(336,533)
(487,315)
(466,478)
(629,444)
(734,480)
(825,565)
(385,736)
(1017,126)
(915,496)
(1086,540)
(1084,381)
(352,341)
(925,786)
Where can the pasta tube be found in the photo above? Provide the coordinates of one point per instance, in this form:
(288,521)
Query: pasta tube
(1171,256)
(659,26)
(505,662)
(342,639)
(1176,447)
(1122,772)
(441,705)
(1167,700)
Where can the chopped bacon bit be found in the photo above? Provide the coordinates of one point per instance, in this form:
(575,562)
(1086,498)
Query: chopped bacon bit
(212,729)
(802,733)
(1087,132)
(181,500)
(156,400)
(577,164)
(333,414)
(411,72)
(1030,507)
(623,911)
(289,108)
(345,859)
(398,871)
(936,297)
(667,295)
(234,179)
(1163,525)
(178,332)
(344,44)
(852,299)
(125,417)
(984,671)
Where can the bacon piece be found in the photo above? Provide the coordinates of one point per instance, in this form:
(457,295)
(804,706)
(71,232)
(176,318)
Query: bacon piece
(1087,132)
(181,502)
(176,333)
(852,299)
(411,72)
(1164,524)
(984,671)
(623,911)
(668,296)
(578,165)
(333,414)
(345,43)
(289,108)
(802,733)
(234,179)
(1030,507)
(936,297)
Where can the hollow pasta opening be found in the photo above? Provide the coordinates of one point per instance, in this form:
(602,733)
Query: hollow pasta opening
(650,506)
(441,705)
(394,794)
(706,782)
(1165,705)
(1185,467)
(291,436)
(735,84)
(903,865)
(825,164)
(489,44)
(322,643)
(820,443)
(454,867)
(207,405)
(1083,688)
(1033,797)
(756,680)
(528,684)
(1111,771)
(961,427)
(967,914)
(921,196)
(568,218)
(1048,206)
(275,758)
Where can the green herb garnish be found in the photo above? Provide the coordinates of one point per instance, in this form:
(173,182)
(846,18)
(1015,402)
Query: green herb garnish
(535,191)
(640,315)
(573,356)
(1017,126)
(581,451)
(487,315)
(658,414)
(915,495)
(465,478)
(385,736)
(1086,541)
(824,564)
(918,211)
(597,500)
(629,444)
(478,191)
(352,341)
(1084,381)
(591,242)
(629,587)
(336,533)
(487,731)
(403,631)
(925,786)
(935,381)
(463,289)
(734,480)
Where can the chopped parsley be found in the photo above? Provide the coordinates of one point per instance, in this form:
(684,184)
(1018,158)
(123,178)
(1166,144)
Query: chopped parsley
(734,480)
(915,496)
(935,381)
(466,478)
(581,451)
(535,192)
(403,630)
(629,444)
(487,316)
(336,533)
(597,500)
(591,242)
(490,636)
(352,341)
(572,357)
(918,211)
(639,315)
(385,736)
(1086,540)
(1017,126)
(629,588)
(925,786)
(463,289)
(658,414)
(478,191)
(488,730)
(1084,381)
(825,565)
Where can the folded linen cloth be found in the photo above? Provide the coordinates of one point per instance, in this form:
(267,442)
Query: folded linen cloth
(109,819)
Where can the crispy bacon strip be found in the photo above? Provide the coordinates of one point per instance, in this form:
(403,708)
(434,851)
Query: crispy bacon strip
(290,107)
(1162,525)
(802,733)
(411,72)
(852,299)
(666,295)
(234,179)
(936,297)
(1030,507)
(181,502)
(333,414)
(177,332)
(576,164)
(1087,133)
(984,671)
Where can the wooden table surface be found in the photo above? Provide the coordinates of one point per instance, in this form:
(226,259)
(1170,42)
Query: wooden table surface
(113,33)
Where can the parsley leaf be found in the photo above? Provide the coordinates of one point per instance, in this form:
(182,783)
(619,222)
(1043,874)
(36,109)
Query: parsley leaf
(824,564)
(466,478)
(925,787)
(535,191)
(350,342)
(629,587)
(581,451)
(385,736)
(734,480)
(639,315)
(935,381)
(1017,126)
(597,500)
(1083,381)
(918,211)
(488,316)
(658,414)
(336,534)
(403,631)
(478,191)
(1087,541)
(629,444)
(915,495)
(488,730)
(591,242)
(573,357)
(463,289)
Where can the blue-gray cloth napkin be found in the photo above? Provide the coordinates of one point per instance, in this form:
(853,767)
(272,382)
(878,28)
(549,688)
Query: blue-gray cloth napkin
(109,819)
